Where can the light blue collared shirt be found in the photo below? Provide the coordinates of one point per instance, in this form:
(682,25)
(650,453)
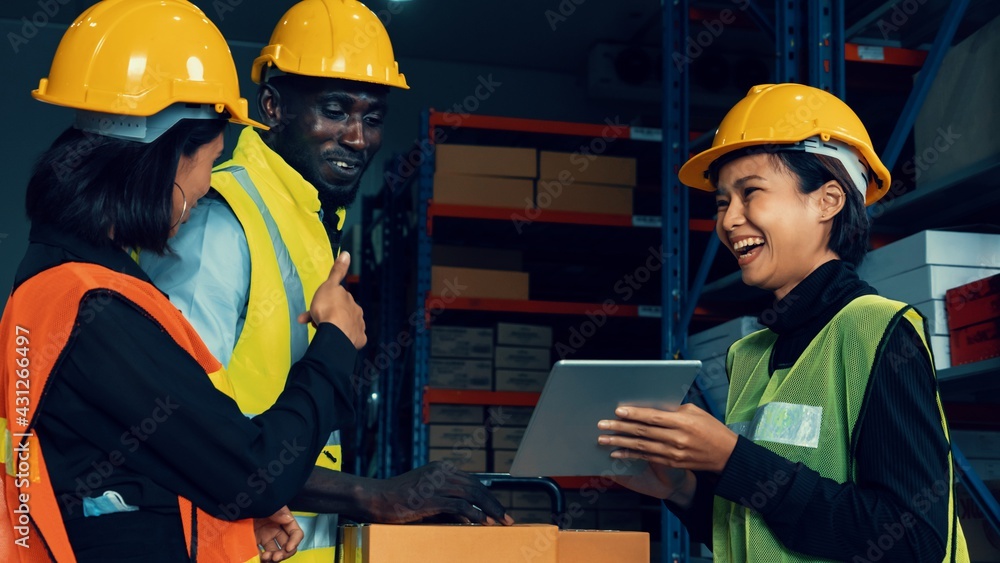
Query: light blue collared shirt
(207,276)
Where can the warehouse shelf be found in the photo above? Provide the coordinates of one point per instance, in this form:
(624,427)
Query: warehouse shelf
(978,381)
(884,55)
(543,307)
(522,125)
(433,396)
(553,216)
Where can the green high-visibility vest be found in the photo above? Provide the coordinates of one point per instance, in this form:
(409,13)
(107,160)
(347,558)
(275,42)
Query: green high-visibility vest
(807,414)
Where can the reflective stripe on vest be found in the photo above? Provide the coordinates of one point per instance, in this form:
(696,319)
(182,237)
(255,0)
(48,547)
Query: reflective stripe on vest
(260,363)
(807,414)
(39,318)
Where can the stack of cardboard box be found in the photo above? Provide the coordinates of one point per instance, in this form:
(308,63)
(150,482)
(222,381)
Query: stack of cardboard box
(586,183)
(461,358)
(919,269)
(523,358)
(974,320)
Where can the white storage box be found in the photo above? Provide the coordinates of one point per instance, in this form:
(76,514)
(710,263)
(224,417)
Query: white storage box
(935,248)
(717,340)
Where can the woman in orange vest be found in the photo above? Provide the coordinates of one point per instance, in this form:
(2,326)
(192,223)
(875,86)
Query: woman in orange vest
(121,437)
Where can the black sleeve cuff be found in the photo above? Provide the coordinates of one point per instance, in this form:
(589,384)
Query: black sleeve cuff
(331,348)
(697,518)
(762,480)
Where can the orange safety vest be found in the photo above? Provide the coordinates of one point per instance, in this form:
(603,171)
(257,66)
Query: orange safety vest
(37,324)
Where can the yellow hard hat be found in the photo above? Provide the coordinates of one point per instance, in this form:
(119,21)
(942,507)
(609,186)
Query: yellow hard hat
(144,58)
(331,39)
(776,114)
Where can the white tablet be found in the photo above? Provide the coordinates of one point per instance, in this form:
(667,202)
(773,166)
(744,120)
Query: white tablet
(561,438)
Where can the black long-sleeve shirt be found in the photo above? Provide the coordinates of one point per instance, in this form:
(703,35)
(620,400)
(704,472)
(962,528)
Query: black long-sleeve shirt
(900,449)
(128,410)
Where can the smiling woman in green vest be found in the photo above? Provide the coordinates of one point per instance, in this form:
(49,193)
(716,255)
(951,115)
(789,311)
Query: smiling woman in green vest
(834,445)
(121,437)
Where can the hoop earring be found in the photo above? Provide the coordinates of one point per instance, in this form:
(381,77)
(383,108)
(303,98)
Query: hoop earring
(184,208)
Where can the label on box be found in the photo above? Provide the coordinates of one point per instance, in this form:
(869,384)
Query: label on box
(523,358)
(526,381)
(509,416)
(974,343)
(524,335)
(647,221)
(460,374)
(456,436)
(650,311)
(963,313)
(465,459)
(507,437)
(461,342)
(456,414)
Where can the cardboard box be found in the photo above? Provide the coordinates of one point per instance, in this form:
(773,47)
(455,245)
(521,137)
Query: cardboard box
(509,357)
(526,381)
(461,342)
(456,435)
(456,414)
(592,546)
(470,282)
(507,437)
(937,319)
(984,545)
(977,445)
(973,302)
(975,342)
(584,198)
(936,248)
(509,416)
(717,340)
(532,336)
(941,349)
(447,373)
(929,282)
(387,543)
(484,191)
(486,161)
(502,460)
(575,167)
(951,137)
(466,459)
(477,257)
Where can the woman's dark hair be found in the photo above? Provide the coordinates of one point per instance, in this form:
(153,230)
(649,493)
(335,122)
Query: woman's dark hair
(851,227)
(93,186)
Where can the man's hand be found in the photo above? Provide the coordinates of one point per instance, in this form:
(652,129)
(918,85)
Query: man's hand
(278,536)
(433,490)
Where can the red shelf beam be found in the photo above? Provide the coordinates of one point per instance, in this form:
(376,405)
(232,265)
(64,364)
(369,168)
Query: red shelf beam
(486,398)
(609,131)
(543,216)
(891,56)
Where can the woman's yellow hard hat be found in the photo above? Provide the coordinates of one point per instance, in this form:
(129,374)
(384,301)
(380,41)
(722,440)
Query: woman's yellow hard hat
(775,114)
(141,57)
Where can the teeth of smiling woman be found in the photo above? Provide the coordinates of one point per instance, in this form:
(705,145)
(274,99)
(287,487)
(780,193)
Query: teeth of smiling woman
(747,242)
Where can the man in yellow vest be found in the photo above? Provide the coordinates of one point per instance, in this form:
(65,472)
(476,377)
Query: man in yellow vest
(252,255)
